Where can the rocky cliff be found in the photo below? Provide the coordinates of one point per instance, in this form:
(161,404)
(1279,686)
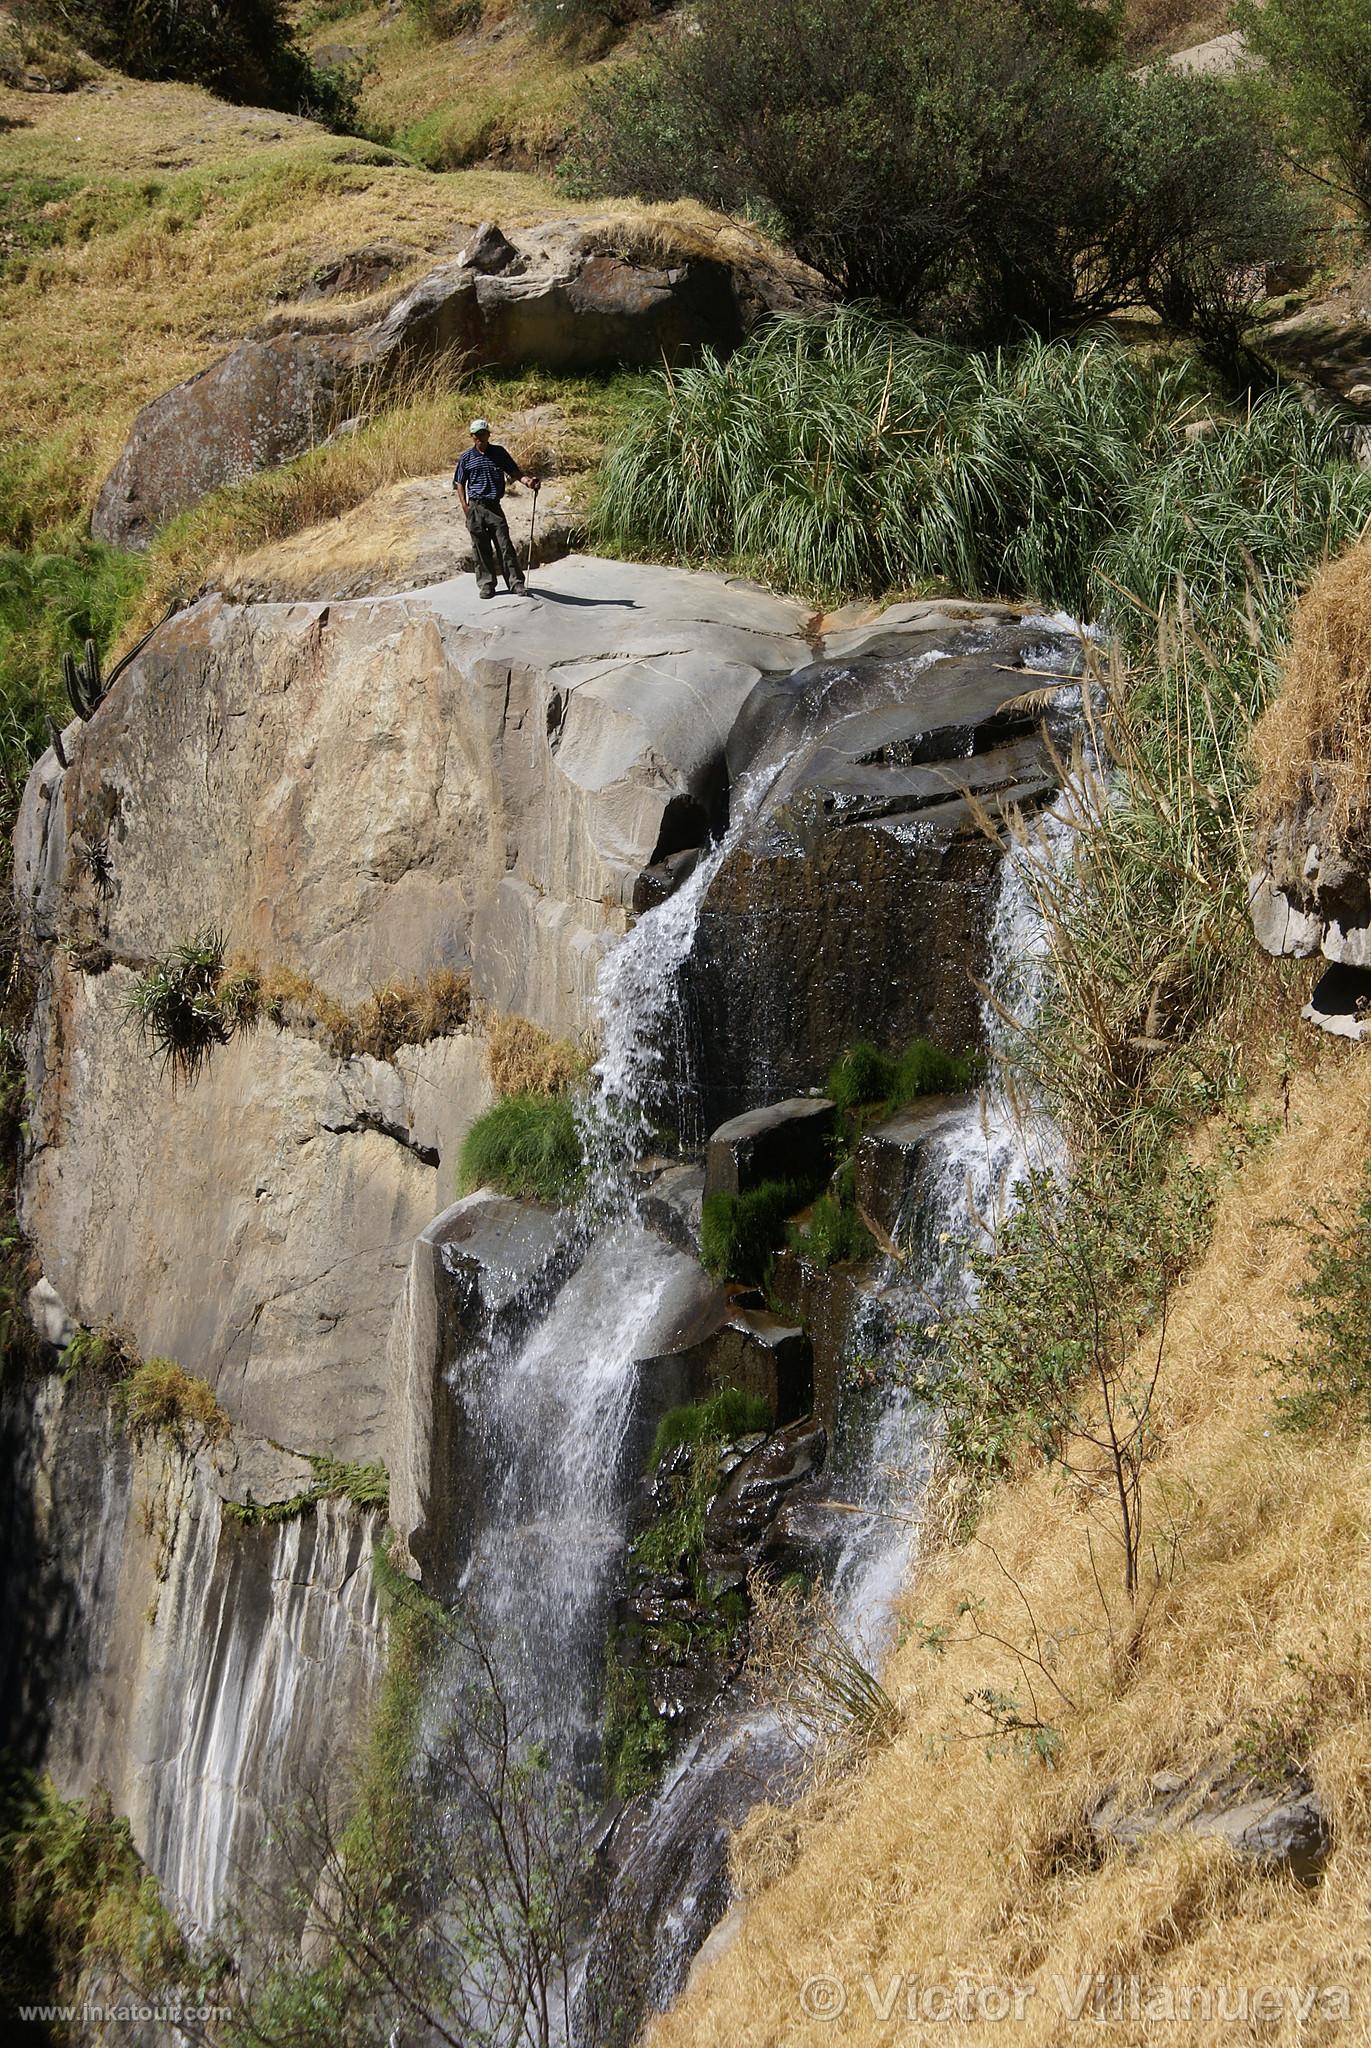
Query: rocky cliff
(350,795)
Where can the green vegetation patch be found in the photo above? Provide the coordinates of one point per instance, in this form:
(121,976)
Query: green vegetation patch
(527,1146)
(721,1417)
(1328,1374)
(365,1483)
(74,1892)
(739,1233)
(831,1233)
(863,1076)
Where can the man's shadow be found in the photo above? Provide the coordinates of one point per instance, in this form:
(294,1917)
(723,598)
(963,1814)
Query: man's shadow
(623,604)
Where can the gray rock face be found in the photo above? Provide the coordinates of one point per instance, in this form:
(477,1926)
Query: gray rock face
(560,297)
(1309,897)
(854,905)
(1262,1822)
(788,1141)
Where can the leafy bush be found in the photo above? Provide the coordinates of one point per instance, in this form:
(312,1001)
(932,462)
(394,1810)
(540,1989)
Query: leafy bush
(246,52)
(1075,1276)
(720,1418)
(527,1146)
(738,1233)
(159,1397)
(970,166)
(1319,55)
(1330,1368)
(73,1890)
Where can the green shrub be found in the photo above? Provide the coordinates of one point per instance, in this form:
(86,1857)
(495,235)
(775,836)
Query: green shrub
(738,1233)
(1075,1276)
(1329,1370)
(246,52)
(73,1891)
(832,1233)
(970,166)
(527,1146)
(721,1418)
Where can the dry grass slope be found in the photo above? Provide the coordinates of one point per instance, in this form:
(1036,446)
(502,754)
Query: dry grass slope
(148,227)
(1318,730)
(935,1860)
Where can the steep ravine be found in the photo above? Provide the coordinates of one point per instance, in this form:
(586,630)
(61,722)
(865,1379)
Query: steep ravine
(385,787)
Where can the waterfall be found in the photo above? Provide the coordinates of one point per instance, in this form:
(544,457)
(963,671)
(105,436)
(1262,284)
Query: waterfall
(673,1875)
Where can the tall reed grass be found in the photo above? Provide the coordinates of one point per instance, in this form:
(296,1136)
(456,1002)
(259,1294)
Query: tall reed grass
(843,455)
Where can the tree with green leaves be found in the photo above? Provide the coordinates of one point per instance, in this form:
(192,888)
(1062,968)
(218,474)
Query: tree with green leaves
(978,168)
(1318,54)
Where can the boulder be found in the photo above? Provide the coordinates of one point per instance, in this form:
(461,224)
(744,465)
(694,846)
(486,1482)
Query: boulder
(789,1141)
(1308,893)
(1270,1821)
(741,1513)
(894,1159)
(569,297)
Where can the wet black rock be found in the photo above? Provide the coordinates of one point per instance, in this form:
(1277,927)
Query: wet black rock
(742,1512)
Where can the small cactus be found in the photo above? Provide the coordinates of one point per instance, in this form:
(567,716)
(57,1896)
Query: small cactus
(85,684)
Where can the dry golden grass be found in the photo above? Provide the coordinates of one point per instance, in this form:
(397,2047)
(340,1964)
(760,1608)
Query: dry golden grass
(522,1059)
(400,1013)
(1317,733)
(177,224)
(937,1861)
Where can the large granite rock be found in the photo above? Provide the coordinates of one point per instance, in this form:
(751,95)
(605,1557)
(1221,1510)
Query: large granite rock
(353,792)
(569,296)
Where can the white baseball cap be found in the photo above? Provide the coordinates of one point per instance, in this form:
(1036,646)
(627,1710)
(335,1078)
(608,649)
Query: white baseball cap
(480,426)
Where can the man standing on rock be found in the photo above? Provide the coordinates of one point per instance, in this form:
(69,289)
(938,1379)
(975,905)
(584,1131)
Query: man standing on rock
(479,481)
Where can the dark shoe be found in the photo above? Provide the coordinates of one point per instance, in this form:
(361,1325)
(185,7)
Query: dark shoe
(487,593)
(518,590)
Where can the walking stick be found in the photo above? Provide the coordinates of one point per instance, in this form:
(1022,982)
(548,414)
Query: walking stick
(532,521)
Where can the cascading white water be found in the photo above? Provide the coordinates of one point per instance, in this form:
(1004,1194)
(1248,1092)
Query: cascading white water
(553,1410)
(675,1868)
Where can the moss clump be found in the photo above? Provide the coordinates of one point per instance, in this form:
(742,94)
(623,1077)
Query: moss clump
(863,1076)
(831,1233)
(527,1146)
(721,1417)
(160,1398)
(379,1838)
(637,1741)
(738,1233)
